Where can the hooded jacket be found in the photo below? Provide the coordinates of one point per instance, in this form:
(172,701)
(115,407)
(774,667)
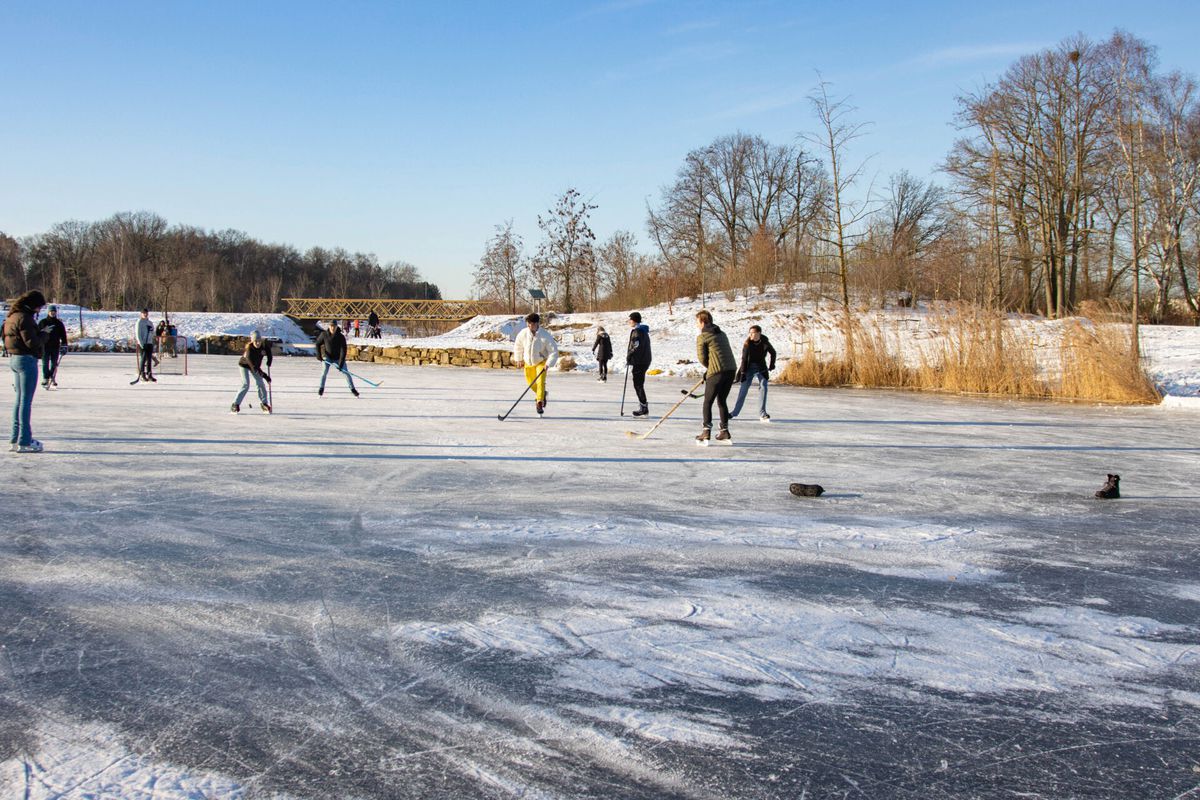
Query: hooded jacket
(639,354)
(714,352)
(602,347)
(534,348)
(21,334)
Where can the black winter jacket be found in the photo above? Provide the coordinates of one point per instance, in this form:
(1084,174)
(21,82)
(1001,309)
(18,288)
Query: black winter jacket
(55,332)
(638,354)
(754,356)
(253,357)
(602,347)
(331,346)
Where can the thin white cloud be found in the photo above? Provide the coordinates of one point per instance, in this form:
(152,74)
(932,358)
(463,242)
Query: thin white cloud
(692,27)
(965,54)
(674,59)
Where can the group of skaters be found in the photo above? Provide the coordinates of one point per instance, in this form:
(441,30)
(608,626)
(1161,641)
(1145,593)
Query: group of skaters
(536,350)
(28,341)
(331,350)
(374,331)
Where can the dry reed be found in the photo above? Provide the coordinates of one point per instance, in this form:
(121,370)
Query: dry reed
(980,352)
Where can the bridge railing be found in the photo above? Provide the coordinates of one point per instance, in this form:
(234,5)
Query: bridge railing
(388,310)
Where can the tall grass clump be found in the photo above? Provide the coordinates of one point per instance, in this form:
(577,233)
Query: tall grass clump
(1096,365)
(978,351)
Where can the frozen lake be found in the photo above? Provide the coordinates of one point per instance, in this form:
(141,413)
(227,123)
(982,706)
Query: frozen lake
(399,596)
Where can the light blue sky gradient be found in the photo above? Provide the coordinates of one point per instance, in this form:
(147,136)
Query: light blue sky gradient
(411,130)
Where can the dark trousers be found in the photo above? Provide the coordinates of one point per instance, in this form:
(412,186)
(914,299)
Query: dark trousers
(603,367)
(639,381)
(147,356)
(716,387)
(49,362)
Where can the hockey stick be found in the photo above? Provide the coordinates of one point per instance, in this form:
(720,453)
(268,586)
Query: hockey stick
(669,413)
(270,394)
(504,416)
(624,390)
(353,375)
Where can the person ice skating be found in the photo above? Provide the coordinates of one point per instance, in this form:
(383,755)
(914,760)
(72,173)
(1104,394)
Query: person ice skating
(637,360)
(713,351)
(755,354)
(24,343)
(56,339)
(537,350)
(373,326)
(602,347)
(144,336)
(331,349)
(251,361)
(355,329)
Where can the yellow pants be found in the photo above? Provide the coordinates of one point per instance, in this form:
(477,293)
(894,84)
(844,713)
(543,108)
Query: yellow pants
(539,388)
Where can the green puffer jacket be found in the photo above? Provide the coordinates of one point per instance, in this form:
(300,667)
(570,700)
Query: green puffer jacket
(714,352)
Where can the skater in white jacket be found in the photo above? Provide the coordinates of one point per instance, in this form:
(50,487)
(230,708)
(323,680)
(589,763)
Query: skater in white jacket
(537,350)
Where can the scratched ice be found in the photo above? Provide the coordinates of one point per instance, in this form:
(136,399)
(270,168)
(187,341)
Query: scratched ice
(399,596)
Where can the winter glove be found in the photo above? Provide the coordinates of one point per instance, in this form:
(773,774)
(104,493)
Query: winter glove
(740,377)
(265,377)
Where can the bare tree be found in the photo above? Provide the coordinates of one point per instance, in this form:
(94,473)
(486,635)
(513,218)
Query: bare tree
(843,214)
(567,250)
(502,268)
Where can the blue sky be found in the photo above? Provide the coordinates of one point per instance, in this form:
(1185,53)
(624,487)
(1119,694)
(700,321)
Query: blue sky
(411,129)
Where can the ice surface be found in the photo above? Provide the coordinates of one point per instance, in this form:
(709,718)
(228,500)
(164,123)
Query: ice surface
(397,595)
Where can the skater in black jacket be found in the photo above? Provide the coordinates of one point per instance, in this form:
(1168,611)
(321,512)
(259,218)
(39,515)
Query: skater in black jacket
(755,354)
(257,349)
(331,349)
(637,359)
(602,347)
(56,340)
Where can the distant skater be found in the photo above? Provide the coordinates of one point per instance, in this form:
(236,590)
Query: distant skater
(713,351)
(56,339)
(637,360)
(24,343)
(257,349)
(331,349)
(373,326)
(602,347)
(755,354)
(537,350)
(144,336)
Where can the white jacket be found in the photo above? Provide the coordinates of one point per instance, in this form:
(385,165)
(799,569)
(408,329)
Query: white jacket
(534,348)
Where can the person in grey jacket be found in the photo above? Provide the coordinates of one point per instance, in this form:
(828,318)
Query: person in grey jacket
(24,343)
(144,336)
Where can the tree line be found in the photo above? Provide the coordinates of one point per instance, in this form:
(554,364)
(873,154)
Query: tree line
(1075,179)
(136,260)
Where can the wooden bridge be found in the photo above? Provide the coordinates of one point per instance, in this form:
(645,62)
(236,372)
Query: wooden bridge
(439,311)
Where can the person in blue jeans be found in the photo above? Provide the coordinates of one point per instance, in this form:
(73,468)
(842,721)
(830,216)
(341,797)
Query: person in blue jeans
(331,349)
(24,343)
(755,353)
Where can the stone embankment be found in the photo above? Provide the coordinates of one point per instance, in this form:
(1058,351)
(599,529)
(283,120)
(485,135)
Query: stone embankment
(422,356)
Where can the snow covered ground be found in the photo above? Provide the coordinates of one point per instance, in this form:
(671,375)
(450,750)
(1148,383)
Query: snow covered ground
(400,596)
